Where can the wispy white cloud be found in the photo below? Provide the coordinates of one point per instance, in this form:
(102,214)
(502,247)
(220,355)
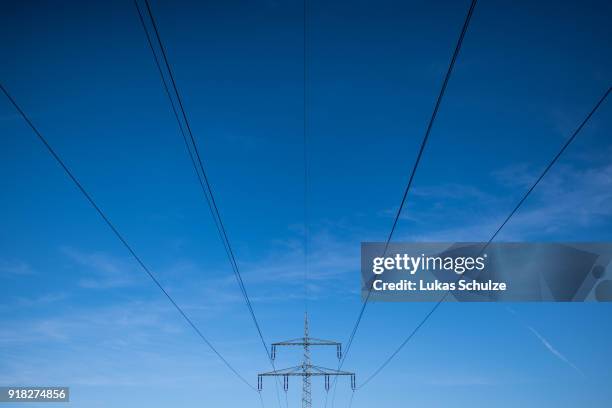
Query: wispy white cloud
(102,270)
(330,260)
(461,380)
(127,325)
(515,175)
(437,205)
(127,343)
(15,267)
(277,275)
(452,191)
(569,198)
(41,300)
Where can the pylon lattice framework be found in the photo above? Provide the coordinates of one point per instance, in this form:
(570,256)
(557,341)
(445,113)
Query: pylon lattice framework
(306,370)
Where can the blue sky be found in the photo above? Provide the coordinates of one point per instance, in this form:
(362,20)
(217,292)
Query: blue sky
(76,310)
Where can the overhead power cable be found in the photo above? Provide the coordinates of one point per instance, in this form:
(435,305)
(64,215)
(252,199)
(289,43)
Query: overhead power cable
(424,141)
(197,159)
(510,215)
(305,142)
(116,232)
(412,174)
(197,162)
(419,156)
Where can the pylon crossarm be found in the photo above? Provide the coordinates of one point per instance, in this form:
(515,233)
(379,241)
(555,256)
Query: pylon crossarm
(330,371)
(311,371)
(284,371)
(288,342)
(307,342)
(324,342)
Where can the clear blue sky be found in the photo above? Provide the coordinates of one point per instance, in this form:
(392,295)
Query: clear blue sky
(75,309)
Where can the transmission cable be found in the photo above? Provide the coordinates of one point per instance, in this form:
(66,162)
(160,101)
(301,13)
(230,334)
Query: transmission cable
(200,168)
(116,232)
(418,159)
(432,119)
(510,215)
(305,143)
(198,165)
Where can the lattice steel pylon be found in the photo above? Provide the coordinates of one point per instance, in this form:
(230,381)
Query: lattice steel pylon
(306,369)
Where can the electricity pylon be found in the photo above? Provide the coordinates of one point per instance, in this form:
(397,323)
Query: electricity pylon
(306,369)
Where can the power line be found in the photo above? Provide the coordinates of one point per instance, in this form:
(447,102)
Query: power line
(197,160)
(418,159)
(434,114)
(306,129)
(510,215)
(432,119)
(180,125)
(115,231)
(182,130)
(198,165)
(552,162)
(183,134)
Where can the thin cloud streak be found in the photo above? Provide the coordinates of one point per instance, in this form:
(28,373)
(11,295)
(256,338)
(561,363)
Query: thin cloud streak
(546,343)
(554,351)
